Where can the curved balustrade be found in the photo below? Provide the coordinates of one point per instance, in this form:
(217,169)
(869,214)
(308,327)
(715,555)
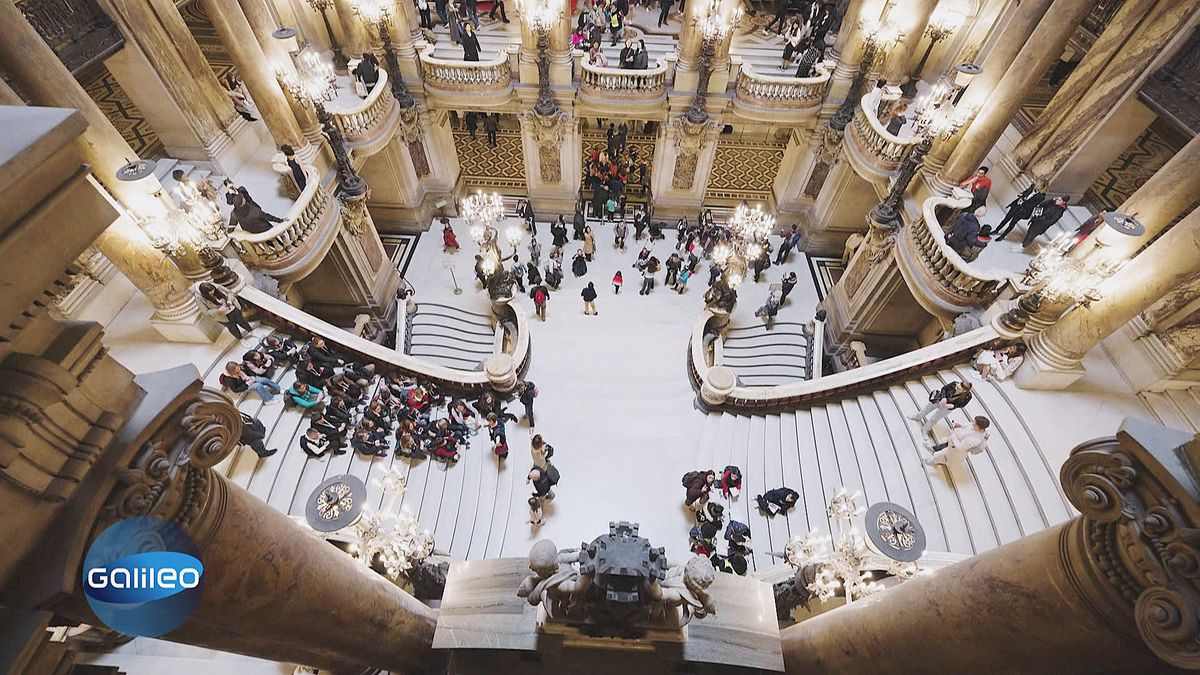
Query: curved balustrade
(364,120)
(278,313)
(805,393)
(622,87)
(939,278)
(877,152)
(757,95)
(476,82)
(308,225)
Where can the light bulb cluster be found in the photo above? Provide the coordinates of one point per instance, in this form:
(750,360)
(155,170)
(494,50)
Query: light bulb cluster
(373,11)
(881,34)
(749,229)
(714,23)
(1071,277)
(314,79)
(483,212)
(936,114)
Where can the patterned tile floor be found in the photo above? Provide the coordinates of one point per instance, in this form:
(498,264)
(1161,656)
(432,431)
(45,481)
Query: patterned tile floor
(825,270)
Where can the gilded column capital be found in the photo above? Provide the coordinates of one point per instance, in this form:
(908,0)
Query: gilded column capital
(1139,495)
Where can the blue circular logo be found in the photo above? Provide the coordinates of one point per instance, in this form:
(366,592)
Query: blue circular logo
(143,576)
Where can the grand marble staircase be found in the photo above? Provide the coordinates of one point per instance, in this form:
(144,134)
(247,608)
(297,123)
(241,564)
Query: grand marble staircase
(450,336)
(866,444)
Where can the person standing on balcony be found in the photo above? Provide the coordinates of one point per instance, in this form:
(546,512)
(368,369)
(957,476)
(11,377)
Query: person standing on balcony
(442,11)
(455,23)
(979,184)
(626,64)
(289,154)
(498,6)
(1044,217)
(1021,208)
(814,53)
(798,33)
(423,10)
(471,8)
(470,42)
(248,215)
(641,60)
(367,71)
(615,24)
(781,8)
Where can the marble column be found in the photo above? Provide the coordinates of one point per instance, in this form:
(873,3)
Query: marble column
(560,47)
(1119,29)
(684,153)
(26,58)
(1013,36)
(1055,356)
(691,46)
(8,96)
(271,588)
(1089,97)
(912,21)
(255,70)
(358,39)
(1098,593)
(1041,49)
(263,23)
(850,47)
(140,24)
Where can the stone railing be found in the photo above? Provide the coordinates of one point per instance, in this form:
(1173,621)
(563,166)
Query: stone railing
(367,118)
(731,396)
(877,152)
(780,93)
(623,87)
(310,224)
(287,318)
(467,82)
(939,278)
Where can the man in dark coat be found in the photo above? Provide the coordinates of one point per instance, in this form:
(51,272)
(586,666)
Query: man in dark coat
(778,501)
(1021,208)
(1044,217)
(248,215)
(964,230)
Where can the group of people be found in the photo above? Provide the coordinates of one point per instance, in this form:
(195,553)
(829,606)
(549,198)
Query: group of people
(803,36)
(705,536)
(960,440)
(968,235)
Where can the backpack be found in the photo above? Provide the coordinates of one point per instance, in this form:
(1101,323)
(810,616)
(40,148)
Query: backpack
(552,475)
(691,476)
(539,297)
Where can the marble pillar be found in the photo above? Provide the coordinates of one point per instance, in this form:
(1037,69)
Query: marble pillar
(1019,25)
(849,47)
(257,72)
(913,21)
(271,589)
(1089,97)
(263,23)
(792,202)
(1102,592)
(1036,55)
(553,149)
(26,58)
(412,174)
(1055,356)
(684,153)
(358,38)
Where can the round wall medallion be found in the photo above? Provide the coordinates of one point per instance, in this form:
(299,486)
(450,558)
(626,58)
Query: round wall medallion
(895,532)
(336,503)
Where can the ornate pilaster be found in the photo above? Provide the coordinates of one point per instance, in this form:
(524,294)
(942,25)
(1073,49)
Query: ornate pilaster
(553,160)
(683,157)
(1114,589)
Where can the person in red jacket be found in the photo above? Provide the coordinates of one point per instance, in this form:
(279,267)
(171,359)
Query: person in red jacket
(449,239)
(731,482)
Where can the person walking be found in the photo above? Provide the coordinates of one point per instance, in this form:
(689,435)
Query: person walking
(498,6)
(589,243)
(1044,217)
(579,264)
(470,41)
(1021,208)
(682,279)
(617,282)
(471,11)
(471,121)
(961,442)
(647,280)
(541,451)
(942,401)
(535,251)
(673,263)
(491,124)
(222,304)
(449,239)
(423,10)
(579,222)
(558,233)
(589,299)
(540,295)
(254,432)
(526,392)
(664,10)
(786,286)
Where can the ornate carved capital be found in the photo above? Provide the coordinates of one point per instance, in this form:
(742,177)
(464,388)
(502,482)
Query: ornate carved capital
(691,136)
(1140,500)
(412,124)
(547,130)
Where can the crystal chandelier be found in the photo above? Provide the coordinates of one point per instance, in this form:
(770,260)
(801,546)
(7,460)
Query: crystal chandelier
(845,564)
(483,212)
(749,229)
(391,540)
(1058,275)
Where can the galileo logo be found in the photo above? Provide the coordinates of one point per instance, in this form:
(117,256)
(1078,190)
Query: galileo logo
(143,576)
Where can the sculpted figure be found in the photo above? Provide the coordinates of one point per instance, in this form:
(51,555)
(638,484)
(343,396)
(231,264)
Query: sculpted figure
(686,586)
(550,583)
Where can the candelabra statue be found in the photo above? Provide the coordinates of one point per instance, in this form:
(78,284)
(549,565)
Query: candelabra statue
(541,18)
(322,6)
(936,118)
(878,36)
(714,28)
(379,14)
(483,212)
(1061,275)
(314,84)
(942,24)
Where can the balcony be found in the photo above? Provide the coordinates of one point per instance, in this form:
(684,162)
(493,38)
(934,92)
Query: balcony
(454,83)
(294,247)
(622,91)
(874,152)
(778,98)
(940,280)
(369,122)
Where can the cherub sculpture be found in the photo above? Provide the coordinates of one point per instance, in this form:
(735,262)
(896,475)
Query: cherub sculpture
(550,584)
(686,586)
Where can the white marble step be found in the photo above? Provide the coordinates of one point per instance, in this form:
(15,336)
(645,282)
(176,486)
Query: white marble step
(1188,406)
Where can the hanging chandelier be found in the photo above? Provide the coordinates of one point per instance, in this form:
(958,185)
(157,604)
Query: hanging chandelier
(748,232)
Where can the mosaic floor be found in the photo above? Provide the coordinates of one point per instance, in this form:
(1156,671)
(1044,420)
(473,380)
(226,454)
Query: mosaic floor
(825,271)
(501,168)
(399,249)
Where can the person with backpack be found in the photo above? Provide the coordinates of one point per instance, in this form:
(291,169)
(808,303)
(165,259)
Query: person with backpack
(526,392)
(541,451)
(738,536)
(702,539)
(589,299)
(540,295)
(698,483)
(731,482)
(942,401)
(543,481)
